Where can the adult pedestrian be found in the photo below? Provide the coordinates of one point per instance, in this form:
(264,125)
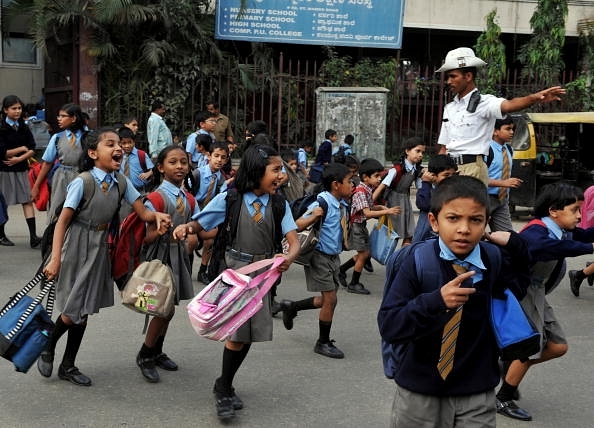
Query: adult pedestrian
(468,121)
(223,131)
(157,133)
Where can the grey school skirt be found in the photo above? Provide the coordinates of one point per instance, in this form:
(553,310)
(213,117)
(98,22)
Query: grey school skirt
(15,187)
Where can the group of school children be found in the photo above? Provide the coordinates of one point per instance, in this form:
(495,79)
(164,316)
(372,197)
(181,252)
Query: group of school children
(247,222)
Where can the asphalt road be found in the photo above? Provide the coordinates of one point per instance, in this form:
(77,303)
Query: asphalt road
(283,383)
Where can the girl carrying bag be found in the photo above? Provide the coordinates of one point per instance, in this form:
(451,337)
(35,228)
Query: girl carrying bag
(151,288)
(231,299)
(25,325)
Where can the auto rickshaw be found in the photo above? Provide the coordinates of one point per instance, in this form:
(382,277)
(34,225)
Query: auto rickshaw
(550,147)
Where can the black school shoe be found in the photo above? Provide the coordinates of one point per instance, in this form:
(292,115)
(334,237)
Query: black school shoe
(289,314)
(147,368)
(163,361)
(235,400)
(6,242)
(35,242)
(357,288)
(511,410)
(368,266)
(45,364)
(328,349)
(72,374)
(574,282)
(590,278)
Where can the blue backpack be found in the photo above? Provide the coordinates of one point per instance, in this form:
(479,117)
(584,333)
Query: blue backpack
(428,271)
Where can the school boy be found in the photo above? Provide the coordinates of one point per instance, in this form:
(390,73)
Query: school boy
(136,165)
(322,274)
(206,123)
(550,240)
(362,208)
(439,168)
(415,315)
(212,183)
(499,161)
(305,148)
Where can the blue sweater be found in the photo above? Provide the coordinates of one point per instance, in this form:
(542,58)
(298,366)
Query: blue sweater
(414,314)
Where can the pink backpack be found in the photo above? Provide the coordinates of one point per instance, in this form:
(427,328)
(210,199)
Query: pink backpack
(231,299)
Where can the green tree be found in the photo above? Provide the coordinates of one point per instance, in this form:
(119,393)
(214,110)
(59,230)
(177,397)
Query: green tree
(490,48)
(541,55)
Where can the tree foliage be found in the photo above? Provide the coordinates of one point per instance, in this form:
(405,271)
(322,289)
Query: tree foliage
(541,55)
(492,50)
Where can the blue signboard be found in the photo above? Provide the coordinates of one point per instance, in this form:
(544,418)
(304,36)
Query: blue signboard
(361,23)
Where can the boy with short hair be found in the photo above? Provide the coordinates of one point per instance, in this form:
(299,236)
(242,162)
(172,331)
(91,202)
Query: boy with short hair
(362,208)
(322,273)
(206,123)
(136,165)
(439,168)
(551,238)
(429,320)
(212,182)
(500,161)
(305,147)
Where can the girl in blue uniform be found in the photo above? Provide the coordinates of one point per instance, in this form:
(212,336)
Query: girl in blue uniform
(79,260)
(257,181)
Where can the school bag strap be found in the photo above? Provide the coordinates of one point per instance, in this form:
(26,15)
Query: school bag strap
(142,159)
(491,155)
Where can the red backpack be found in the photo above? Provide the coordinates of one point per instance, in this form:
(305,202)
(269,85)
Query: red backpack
(125,253)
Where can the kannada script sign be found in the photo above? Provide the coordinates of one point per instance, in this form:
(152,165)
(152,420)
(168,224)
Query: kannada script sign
(361,23)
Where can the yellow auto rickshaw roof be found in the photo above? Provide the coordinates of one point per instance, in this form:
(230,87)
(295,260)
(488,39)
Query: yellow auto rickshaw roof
(565,117)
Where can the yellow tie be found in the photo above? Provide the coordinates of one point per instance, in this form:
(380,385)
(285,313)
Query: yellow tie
(505,174)
(105,183)
(179,204)
(72,139)
(127,166)
(449,337)
(344,224)
(209,191)
(257,216)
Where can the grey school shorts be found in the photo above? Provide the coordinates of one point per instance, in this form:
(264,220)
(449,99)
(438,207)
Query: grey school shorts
(322,273)
(359,237)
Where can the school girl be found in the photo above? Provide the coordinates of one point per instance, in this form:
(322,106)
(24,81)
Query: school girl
(16,147)
(84,284)
(256,238)
(173,164)
(395,187)
(65,147)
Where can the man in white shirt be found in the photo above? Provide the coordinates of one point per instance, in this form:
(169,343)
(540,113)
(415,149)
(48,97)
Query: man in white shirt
(468,121)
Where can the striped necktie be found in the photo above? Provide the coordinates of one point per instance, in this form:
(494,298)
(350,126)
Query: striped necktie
(127,166)
(257,216)
(72,139)
(179,204)
(105,183)
(15,126)
(505,173)
(209,191)
(449,337)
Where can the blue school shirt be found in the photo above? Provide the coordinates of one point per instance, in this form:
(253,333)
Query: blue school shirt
(347,149)
(171,191)
(51,151)
(76,187)
(197,158)
(330,240)
(136,168)
(302,157)
(496,167)
(12,123)
(205,176)
(472,261)
(214,213)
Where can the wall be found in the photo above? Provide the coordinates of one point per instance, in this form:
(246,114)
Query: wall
(513,16)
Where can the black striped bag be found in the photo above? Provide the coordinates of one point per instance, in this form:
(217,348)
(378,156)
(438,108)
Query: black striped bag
(25,325)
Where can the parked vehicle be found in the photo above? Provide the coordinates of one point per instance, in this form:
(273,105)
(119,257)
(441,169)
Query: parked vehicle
(550,147)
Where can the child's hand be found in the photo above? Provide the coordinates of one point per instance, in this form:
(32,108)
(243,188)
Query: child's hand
(393,210)
(284,266)
(52,269)
(146,175)
(500,237)
(162,220)
(454,294)
(427,176)
(181,231)
(317,212)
